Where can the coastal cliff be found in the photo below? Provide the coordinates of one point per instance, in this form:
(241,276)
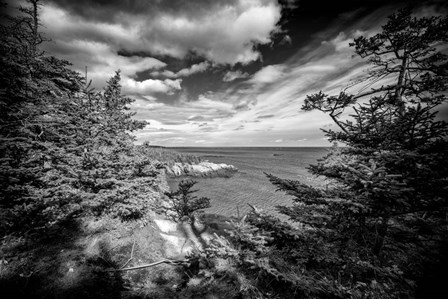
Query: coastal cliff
(202,169)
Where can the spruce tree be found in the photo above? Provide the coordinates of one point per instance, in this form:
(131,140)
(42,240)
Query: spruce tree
(383,217)
(182,205)
(65,149)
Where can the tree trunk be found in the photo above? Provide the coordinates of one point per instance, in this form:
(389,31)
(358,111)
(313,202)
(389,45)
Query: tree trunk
(35,26)
(400,83)
(381,231)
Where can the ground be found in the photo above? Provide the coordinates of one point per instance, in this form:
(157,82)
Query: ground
(72,260)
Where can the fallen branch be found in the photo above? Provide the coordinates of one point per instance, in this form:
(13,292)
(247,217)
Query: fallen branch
(148,265)
(132,253)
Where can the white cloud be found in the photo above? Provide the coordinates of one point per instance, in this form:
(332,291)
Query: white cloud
(230,76)
(320,68)
(149,86)
(195,68)
(102,62)
(206,104)
(223,33)
(342,41)
(268,74)
(314,68)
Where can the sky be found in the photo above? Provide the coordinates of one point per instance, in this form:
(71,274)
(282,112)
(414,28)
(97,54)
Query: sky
(219,72)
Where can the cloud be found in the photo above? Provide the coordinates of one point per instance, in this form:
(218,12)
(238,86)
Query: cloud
(224,32)
(197,118)
(149,86)
(266,108)
(231,76)
(342,41)
(291,4)
(286,40)
(209,128)
(102,62)
(265,116)
(209,106)
(261,110)
(195,68)
(267,74)
(245,103)
(116,10)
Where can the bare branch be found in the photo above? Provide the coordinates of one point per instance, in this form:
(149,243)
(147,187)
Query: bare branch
(166,261)
(132,253)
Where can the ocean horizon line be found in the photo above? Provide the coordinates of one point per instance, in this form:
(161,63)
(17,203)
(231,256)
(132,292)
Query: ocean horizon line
(226,146)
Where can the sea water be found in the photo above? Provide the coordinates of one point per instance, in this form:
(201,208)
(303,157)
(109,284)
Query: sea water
(231,196)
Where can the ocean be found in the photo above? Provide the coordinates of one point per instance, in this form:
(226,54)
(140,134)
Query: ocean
(230,196)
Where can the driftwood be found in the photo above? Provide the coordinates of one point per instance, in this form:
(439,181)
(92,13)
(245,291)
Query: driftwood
(166,261)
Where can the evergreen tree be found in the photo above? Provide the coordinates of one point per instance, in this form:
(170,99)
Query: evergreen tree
(182,205)
(112,174)
(65,150)
(34,90)
(384,217)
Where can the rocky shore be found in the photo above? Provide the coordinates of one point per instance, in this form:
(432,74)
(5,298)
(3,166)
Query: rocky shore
(203,169)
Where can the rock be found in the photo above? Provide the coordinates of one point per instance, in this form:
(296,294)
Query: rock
(203,169)
(166,226)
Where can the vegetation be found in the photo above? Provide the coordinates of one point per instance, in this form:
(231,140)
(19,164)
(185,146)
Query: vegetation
(65,149)
(380,228)
(376,231)
(167,157)
(67,164)
(182,205)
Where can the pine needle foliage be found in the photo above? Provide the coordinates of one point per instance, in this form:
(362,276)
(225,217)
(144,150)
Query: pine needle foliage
(66,149)
(183,205)
(373,232)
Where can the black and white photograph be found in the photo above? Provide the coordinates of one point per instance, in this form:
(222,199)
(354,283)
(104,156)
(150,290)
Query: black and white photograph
(223,149)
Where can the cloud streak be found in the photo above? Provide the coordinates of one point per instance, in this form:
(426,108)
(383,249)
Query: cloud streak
(197,71)
(265,108)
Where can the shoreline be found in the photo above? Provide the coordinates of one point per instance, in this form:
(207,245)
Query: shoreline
(204,169)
